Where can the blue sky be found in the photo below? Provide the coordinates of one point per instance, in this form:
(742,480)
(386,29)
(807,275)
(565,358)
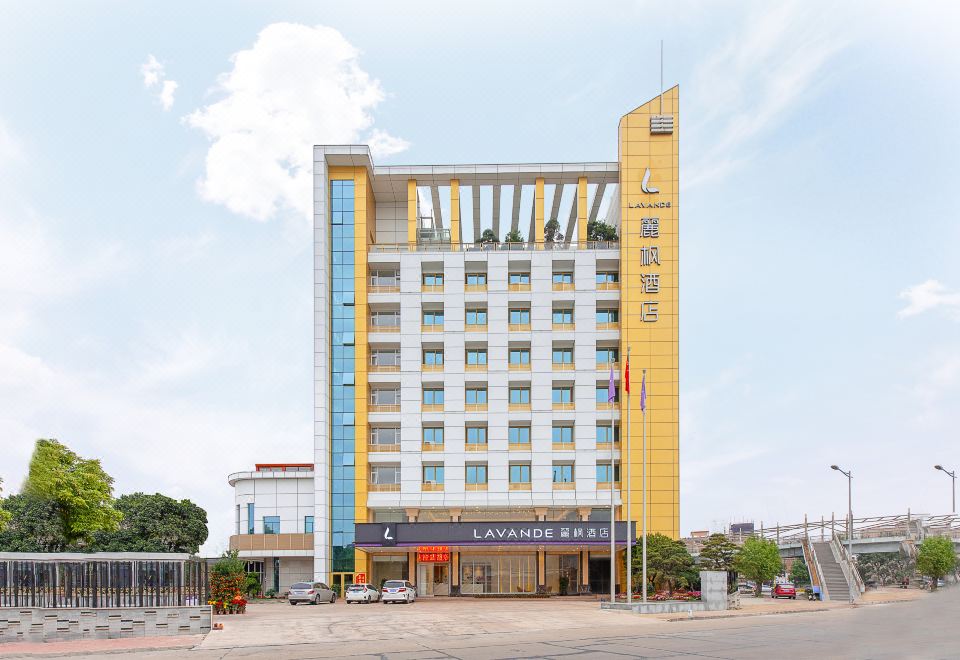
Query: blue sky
(155,275)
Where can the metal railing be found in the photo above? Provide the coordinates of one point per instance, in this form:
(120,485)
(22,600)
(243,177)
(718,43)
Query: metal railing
(527,246)
(62,583)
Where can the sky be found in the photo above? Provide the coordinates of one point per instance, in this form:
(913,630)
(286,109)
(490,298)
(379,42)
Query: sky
(155,242)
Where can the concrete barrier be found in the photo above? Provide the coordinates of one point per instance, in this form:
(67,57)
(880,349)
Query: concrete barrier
(39,624)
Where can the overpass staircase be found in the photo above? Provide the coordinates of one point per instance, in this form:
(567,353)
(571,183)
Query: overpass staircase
(832,571)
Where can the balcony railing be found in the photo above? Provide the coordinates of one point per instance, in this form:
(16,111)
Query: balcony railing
(475,327)
(564,485)
(432,407)
(431,288)
(383,368)
(431,367)
(611,325)
(521,486)
(431,488)
(518,406)
(383,488)
(475,288)
(475,367)
(376,327)
(476,446)
(384,407)
(431,327)
(564,366)
(522,366)
(608,286)
(476,487)
(564,327)
(569,405)
(518,287)
(431,446)
(563,286)
(383,447)
(519,327)
(475,407)
(564,446)
(605,485)
(441,243)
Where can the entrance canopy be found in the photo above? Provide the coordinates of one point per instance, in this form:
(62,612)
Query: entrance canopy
(473,534)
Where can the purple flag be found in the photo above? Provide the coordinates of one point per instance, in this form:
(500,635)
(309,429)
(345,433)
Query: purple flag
(643,393)
(612,390)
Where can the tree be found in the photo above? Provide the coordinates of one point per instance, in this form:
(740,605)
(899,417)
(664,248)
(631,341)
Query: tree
(669,564)
(799,573)
(81,489)
(4,514)
(718,553)
(759,560)
(884,567)
(488,237)
(34,526)
(598,230)
(155,523)
(551,231)
(513,236)
(936,557)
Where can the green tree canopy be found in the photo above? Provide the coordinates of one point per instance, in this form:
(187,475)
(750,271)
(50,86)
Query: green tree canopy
(669,564)
(598,230)
(551,231)
(936,557)
(799,574)
(4,514)
(81,489)
(718,553)
(229,564)
(155,523)
(34,526)
(759,560)
(488,237)
(513,236)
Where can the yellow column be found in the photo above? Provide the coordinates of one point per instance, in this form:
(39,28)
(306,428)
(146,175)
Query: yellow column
(538,213)
(582,211)
(454,211)
(411,213)
(412,566)
(541,569)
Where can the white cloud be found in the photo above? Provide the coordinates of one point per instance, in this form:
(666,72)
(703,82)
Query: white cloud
(295,87)
(754,81)
(154,76)
(383,144)
(928,296)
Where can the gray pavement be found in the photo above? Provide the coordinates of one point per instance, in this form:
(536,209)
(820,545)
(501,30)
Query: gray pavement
(926,628)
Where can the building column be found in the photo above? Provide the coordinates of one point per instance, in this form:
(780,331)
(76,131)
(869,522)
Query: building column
(584,512)
(582,212)
(455,573)
(541,513)
(412,514)
(412,566)
(584,572)
(538,213)
(455,515)
(455,211)
(541,572)
(411,213)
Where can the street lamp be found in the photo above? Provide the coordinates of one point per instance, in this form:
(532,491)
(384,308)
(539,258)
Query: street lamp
(953,476)
(849,476)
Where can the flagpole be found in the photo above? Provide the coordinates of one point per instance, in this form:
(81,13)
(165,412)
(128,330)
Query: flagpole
(643,484)
(629,518)
(613,556)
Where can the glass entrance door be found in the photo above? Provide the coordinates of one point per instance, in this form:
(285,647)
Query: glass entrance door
(433,579)
(340,582)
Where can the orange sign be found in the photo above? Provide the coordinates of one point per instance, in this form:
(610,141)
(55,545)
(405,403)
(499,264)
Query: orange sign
(360,578)
(433,553)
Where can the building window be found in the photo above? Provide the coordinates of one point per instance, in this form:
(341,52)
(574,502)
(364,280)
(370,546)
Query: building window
(271,524)
(385,475)
(433,279)
(520,316)
(433,435)
(563,356)
(604,433)
(433,317)
(562,316)
(608,277)
(563,394)
(433,357)
(250,519)
(388,358)
(384,435)
(519,356)
(476,474)
(563,278)
(519,435)
(519,473)
(476,396)
(433,396)
(433,474)
(476,316)
(608,316)
(603,473)
(603,394)
(476,357)
(562,434)
(562,473)
(519,278)
(519,396)
(308,524)
(476,435)
(385,278)
(476,279)
(608,355)
(384,320)
(385,397)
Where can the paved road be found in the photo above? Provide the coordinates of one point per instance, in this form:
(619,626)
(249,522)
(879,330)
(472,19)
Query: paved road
(923,629)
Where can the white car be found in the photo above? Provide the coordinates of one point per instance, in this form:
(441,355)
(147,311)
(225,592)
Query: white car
(398,591)
(361,593)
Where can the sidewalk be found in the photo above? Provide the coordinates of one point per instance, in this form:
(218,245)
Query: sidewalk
(84,646)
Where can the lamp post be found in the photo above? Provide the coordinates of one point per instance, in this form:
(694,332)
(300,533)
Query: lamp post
(849,476)
(953,477)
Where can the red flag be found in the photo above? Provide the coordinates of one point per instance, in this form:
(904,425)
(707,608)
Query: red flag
(626,377)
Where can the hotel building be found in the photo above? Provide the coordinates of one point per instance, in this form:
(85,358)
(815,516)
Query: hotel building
(464,438)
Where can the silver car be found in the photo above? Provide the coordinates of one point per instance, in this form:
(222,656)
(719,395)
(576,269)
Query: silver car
(316,593)
(361,593)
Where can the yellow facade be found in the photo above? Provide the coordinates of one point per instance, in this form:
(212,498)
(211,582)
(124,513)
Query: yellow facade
(653,344)
(537,212)
(454,211)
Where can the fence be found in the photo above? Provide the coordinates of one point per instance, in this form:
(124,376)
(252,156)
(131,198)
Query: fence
(88,581)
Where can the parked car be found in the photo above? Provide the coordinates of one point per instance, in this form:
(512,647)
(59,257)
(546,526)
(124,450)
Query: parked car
(765,589)
(784,590)
(361,593)
(316,593)
(398,591)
